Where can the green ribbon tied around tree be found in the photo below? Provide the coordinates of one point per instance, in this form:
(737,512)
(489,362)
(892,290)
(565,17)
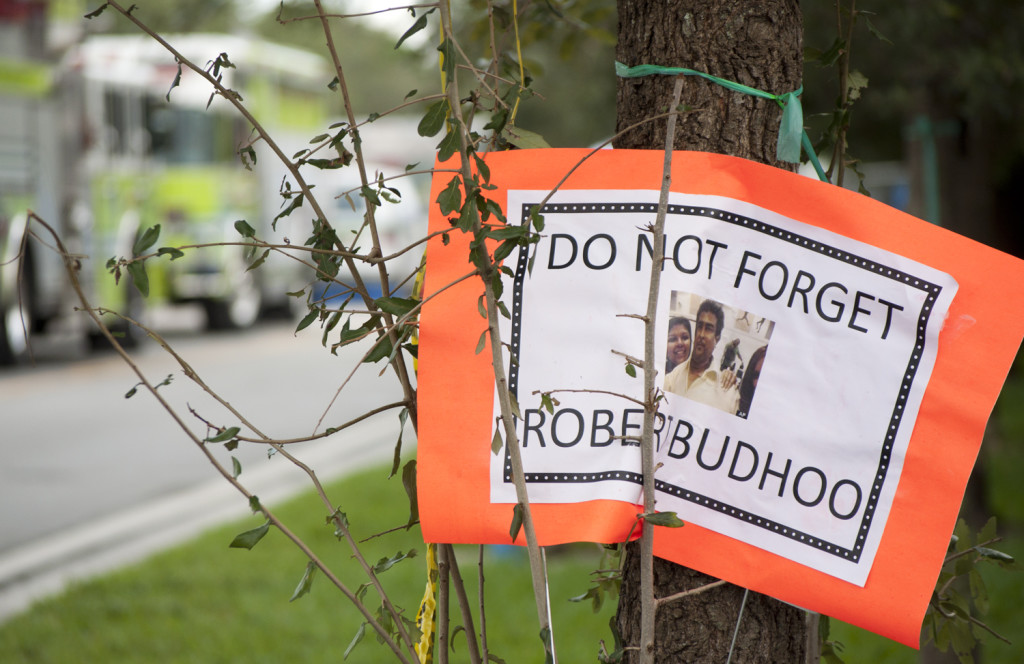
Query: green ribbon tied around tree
(791,130)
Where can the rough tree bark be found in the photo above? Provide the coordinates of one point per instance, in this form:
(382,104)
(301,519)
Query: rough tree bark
(758,43)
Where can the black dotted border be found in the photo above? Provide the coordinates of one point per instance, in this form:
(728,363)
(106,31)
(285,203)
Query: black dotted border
(932,291)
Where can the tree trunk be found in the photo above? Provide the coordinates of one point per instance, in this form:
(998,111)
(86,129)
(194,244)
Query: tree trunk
(757,43)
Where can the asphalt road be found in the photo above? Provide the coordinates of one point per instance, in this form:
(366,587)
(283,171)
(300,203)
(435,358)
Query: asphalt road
(90,479)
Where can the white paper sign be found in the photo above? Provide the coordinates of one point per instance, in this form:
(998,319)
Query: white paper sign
(840,335)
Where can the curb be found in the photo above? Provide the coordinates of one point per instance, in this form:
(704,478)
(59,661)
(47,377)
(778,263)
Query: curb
(47,566)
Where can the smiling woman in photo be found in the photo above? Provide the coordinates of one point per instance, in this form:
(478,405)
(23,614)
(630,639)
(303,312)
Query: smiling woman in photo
(678,350)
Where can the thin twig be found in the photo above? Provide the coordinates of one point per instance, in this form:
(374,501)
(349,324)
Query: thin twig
(483,614)
(649,605)
(428,5)
(464,607)
(661,601)
(580,391)
(442,605)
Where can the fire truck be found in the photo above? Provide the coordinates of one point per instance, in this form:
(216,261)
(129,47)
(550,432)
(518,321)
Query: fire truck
(105,136)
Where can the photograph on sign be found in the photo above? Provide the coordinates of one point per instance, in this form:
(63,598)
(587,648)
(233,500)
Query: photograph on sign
(728,381)
(834,337)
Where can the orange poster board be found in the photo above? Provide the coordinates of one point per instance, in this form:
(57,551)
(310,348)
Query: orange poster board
(792,253)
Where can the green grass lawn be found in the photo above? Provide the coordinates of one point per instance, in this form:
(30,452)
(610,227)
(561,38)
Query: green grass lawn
(204,602)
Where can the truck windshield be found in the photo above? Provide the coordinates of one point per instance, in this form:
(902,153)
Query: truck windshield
(188,135)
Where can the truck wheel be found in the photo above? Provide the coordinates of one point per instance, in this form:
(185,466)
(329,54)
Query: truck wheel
(239,311)
(15,320)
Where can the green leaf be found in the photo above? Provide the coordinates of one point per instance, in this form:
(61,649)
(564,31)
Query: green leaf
(146,240)
(254,504)
(450,199)
(97,12)
(224,435)
(523,138)
(504,249)
(447,51)
(236,467)
(347,335)
(433,120)
(496,441)
(370,195)
(493,207)
(828,58)
(855,84)
(482,343)
(467,215)
(508,232)
(409,483)
(592,594)
(305,583)
(538,220)
(137,270)
(249,538)
(988,531)
(307,320)
(361,590)
(380,350)
(515,406)
(402,417)
(517,521)
(979,592)
(497,286)
(666,519)
(340,521)
(175,83)
(449,145)
(396,306)
(259,261)
(420,23)
(332,322)
(247,155)
(331,164)
(244,229)
(295,204)
(630,369)
(360,633)
(170,251)
(498,120)
(545,637)
(130,393)
(942,636)
(482,168)
(874,31)
(455,631)
(384,564)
